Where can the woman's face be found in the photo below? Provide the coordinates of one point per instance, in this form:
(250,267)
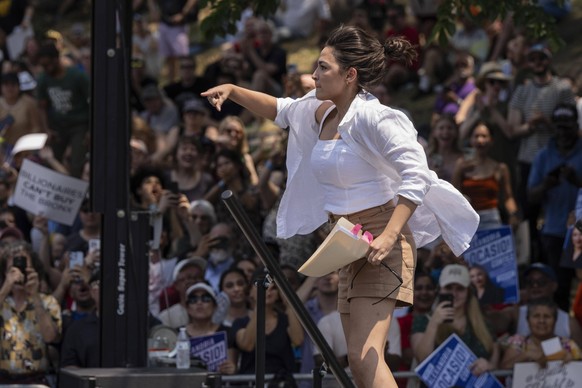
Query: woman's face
(226,169)
(330,81)
(478,277)
(460,294)
(445,133)
(234,134)
(481,139)
(494,85)
(541,321)
(272,294)
(187,155)
(201,305)
(577,239)
(424,294)
(248,268)
(235,287)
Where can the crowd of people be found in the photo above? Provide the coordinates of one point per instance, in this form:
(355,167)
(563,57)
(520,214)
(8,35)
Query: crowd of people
(505,131)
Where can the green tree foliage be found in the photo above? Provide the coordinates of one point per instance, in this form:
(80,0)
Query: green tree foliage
(225,13)
(526,15)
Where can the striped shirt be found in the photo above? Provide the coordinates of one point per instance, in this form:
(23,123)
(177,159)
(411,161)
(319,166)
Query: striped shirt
(531,98)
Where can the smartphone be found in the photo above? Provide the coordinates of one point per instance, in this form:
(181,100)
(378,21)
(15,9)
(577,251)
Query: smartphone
(20,262)
(449,299)
(94,244)
(221,243)
(76,258)
(173,187)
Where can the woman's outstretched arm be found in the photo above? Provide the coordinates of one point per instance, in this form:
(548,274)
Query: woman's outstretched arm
(259,103)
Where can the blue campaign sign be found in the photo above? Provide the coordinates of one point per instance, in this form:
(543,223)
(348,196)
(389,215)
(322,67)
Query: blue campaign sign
(448,366)
(212,349)
(493,251)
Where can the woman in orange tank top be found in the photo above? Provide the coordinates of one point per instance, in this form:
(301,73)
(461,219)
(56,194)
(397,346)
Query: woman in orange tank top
(484,181)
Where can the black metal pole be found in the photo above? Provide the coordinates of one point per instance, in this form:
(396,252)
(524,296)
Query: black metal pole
(236,210)
(123,312)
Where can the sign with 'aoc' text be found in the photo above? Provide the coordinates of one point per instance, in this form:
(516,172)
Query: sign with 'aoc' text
(45,192)
(212,349)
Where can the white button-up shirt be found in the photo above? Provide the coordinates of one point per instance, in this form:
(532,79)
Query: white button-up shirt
(386,139)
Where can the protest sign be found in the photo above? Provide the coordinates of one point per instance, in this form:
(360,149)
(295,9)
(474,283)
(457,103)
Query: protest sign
(493,250)
(212,349)
(555,375)
(45,192)
(448,366)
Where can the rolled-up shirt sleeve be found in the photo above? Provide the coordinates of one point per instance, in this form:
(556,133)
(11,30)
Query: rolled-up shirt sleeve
(396,139)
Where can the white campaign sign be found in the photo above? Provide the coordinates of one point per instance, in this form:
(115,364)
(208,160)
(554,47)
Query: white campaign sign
(45,192)
(555,375)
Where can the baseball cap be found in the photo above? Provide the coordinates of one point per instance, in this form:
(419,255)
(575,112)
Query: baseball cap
(543,268)
(11,232)
(455,273)
(150,92)
(203,287)
(565,113)
(194,260)
(194,105)
(540,48)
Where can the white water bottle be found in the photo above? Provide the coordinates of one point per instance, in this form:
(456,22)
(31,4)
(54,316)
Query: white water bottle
(183,350)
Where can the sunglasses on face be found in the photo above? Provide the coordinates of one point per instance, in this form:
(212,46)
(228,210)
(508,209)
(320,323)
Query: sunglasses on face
(495,82)
(193,299)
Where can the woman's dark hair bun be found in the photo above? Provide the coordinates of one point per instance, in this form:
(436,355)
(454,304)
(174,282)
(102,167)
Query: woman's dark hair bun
(397,48)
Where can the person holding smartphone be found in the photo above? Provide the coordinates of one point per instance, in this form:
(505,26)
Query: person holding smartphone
(31,319)
(457,311)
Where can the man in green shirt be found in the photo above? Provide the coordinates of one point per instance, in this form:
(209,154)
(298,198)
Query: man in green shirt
(63,94)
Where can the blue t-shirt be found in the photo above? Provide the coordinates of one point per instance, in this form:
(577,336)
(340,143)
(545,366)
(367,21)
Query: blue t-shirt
(561,199)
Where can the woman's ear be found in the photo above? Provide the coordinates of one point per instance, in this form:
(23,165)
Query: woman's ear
(351,75)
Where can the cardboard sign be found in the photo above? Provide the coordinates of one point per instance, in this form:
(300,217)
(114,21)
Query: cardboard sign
(45,192)
(212,349)
(555,375)
(448,366)
(493,250)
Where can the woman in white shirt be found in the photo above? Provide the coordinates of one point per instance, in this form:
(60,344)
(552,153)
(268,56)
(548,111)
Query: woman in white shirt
(350,156)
